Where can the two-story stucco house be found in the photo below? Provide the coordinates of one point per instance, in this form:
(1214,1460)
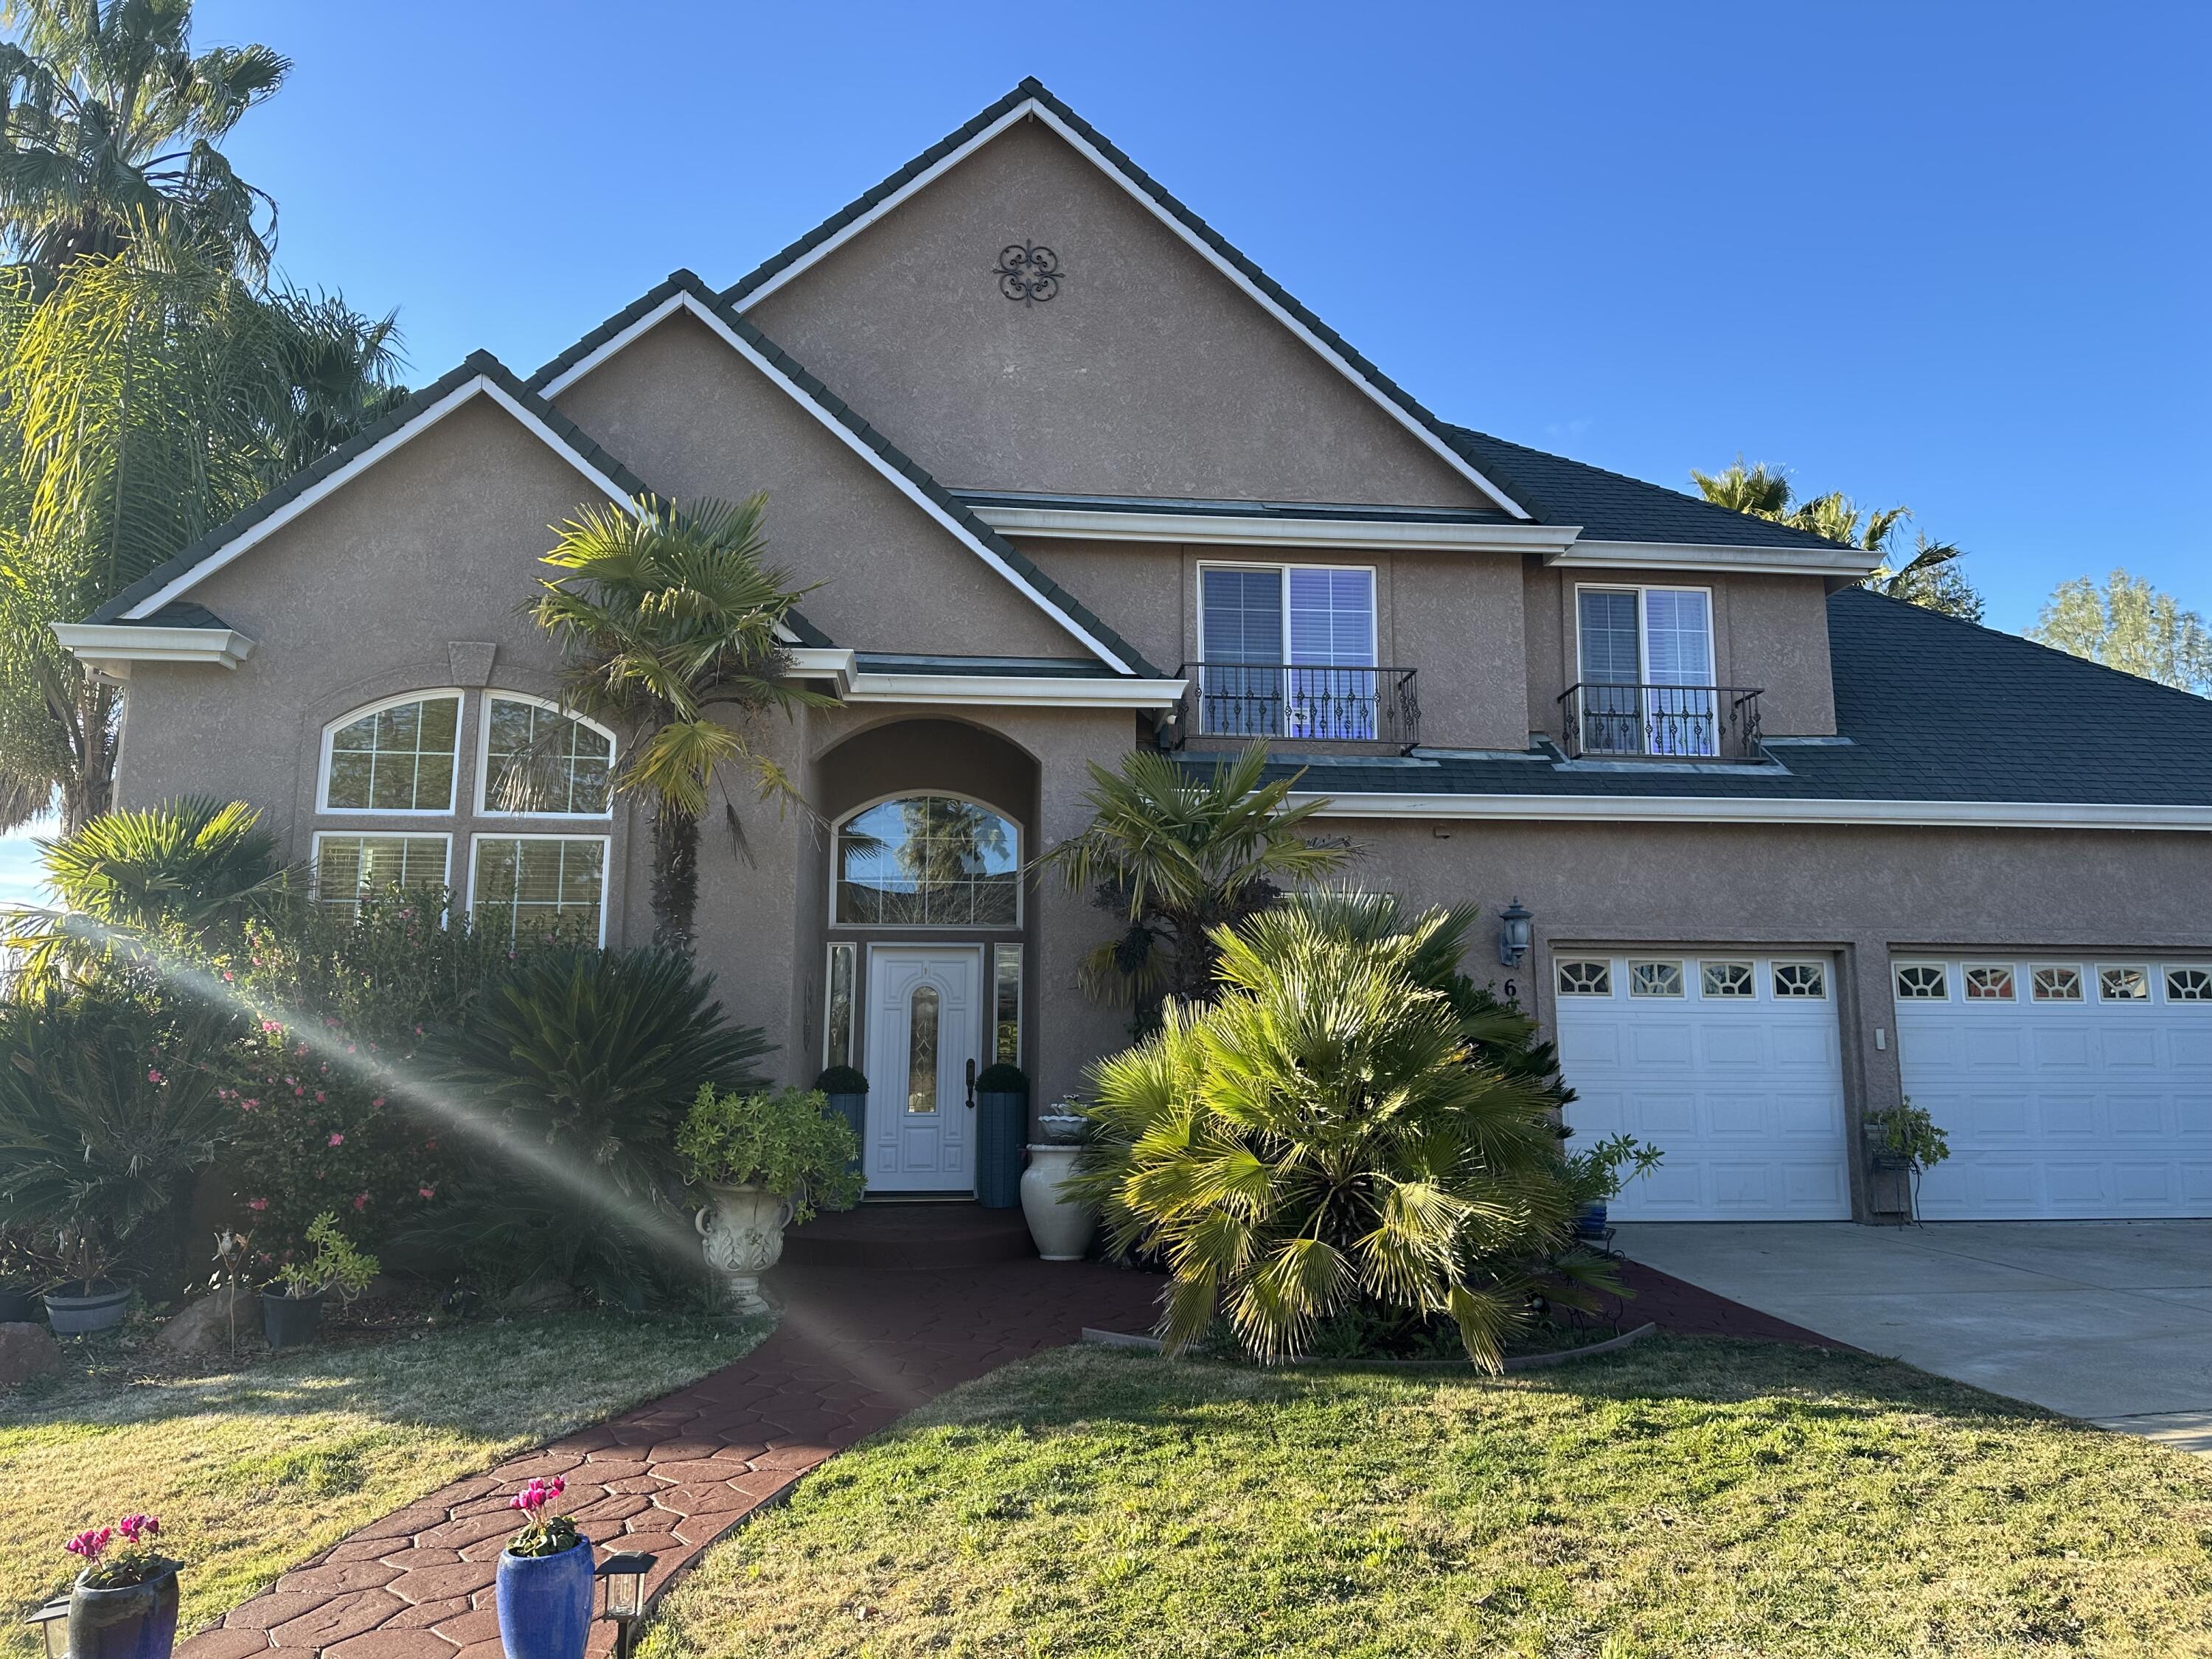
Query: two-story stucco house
(1072,476)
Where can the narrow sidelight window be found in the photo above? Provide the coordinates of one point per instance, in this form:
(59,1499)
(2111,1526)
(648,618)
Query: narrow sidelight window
(837,1012)
(1006,974)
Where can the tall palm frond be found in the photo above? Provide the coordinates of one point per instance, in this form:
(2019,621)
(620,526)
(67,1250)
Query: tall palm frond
(1758,490)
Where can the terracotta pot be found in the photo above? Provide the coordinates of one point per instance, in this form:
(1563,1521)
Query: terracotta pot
(1061,1226)
(743,1233)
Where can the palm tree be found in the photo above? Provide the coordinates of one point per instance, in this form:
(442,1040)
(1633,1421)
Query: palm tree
(670,619)
(1179,856)
(109,130)
(145,401)
(1326,1138)
(1929,578)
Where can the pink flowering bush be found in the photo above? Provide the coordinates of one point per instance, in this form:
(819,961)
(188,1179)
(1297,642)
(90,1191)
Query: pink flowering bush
(108,1566)
(541,1534)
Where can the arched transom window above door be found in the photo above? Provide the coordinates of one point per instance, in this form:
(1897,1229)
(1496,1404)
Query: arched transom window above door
(928,861)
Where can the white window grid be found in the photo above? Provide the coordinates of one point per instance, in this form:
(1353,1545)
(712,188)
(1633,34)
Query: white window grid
(475,860)
(435,694)
(485,807)
(1583,976)
(1922,982)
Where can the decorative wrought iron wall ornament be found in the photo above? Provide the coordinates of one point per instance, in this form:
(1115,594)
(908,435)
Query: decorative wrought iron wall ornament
(1028,273)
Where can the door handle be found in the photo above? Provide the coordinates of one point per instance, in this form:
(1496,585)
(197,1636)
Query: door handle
(971,1084)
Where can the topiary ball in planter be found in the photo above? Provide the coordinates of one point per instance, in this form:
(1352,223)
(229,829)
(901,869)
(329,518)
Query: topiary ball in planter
(1002,1113)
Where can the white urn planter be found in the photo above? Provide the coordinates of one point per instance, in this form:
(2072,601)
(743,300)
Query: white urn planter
(1061,1226)
(742,1232)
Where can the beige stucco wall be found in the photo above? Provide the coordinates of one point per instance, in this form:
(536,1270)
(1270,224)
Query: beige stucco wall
(1148,374)
(355,600)
(1770,633)
(692,418)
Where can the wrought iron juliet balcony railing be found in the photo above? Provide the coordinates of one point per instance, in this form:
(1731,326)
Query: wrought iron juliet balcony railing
(1300,702)
(1678,722)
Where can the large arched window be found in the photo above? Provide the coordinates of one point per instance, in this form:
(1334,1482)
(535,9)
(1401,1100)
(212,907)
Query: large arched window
(396,757)
(928,861)
(540,762)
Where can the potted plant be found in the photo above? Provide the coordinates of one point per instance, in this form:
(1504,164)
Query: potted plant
(846,1090)
(124,1604)
(1061,1225)
(1002,1113)
(292,1306)
(1903,1140)
(1596,1176)
(766,1160)
(544,1586)
(86,1256)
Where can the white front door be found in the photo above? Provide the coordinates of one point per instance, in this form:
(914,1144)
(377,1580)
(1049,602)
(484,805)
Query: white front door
(925,1038)
(1731,1065)
(2067,1087)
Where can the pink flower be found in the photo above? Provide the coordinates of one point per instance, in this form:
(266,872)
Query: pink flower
(226,979)
(320,1097)
(88,1543)
(360,1200)
(378,1101)
(138,1528)
(337,1140)
(248,1105)
(153,1076)
(426,1192)
(301,1049)
(271,1025)
(257,1203)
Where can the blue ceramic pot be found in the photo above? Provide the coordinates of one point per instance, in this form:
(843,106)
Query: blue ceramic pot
(138,1621)
(1590,1224)
(545,1603)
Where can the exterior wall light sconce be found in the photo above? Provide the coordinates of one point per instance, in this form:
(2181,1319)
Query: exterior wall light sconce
(625,1577)
(1516,931)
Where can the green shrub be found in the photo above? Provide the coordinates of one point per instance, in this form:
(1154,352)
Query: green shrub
(335,1266)
(107,1107)
(788,1142)
(841,1080)
(1329,1133)
(1001,1079)
(562,1089)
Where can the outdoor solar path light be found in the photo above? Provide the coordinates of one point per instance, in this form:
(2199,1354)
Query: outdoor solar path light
(53,1621)
(1515,931)
(625,1577)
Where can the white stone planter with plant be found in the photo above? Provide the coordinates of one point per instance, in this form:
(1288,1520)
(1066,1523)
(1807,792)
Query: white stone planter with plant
(765,1162)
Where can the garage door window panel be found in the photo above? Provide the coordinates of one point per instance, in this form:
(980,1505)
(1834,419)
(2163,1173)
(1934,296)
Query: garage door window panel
(1655,979)
(1727,981)
(1922,982)
(1989,982)
(2124,985)
(1805,980)
(2189,985)
(2055,984)
(1585,977)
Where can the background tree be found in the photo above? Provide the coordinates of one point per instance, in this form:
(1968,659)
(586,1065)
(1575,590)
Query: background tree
(109,129)
(670,620)
(2129,625)
(146,400)
(1928,576)
(1178,854)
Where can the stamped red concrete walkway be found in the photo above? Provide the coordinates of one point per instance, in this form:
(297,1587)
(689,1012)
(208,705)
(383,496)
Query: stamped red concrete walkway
(857,1347)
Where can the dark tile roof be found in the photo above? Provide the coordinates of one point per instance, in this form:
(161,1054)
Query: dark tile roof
(178,613)
(1612,507)
(830,403)
(1069,668)
(1308,512)
(1936,709)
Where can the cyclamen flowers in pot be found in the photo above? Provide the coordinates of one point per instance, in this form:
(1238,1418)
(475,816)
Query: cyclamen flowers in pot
(124,1602)
(545,1586)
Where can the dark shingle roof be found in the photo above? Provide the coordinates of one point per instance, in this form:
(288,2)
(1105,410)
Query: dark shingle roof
(1936,709)
(1612,507)
(178,613)
(1025,570)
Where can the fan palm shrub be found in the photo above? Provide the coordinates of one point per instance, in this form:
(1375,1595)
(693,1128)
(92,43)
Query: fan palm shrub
(1177,854)
(107,1107)
(671,618)
(1329,1136)
(573,1073)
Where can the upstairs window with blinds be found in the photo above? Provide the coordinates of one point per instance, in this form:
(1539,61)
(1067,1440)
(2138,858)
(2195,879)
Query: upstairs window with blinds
(1287,651)
(1646,661)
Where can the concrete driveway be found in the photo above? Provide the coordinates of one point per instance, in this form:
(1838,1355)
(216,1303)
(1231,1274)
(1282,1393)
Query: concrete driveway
(2109,1321)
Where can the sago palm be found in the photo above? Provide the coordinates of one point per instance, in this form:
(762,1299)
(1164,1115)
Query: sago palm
(669,616)
(1327,1135)
(109,133)
(1179,853)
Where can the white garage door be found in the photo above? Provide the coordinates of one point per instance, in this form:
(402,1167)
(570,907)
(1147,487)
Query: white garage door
(2066,1088)
(1731,1065)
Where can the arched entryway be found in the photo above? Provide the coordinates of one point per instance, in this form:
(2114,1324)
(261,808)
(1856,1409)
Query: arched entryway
(926,954)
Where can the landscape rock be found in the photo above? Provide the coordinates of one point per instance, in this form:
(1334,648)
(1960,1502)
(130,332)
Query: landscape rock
(204,1325)
(25,1351)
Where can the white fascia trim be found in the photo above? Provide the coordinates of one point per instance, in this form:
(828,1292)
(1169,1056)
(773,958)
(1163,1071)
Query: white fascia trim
(474,387)
(1695,556)
(1687,809)
(822,662)
(96,644)
(1016,691)
(1234,530)
(1030,108)
(845,434)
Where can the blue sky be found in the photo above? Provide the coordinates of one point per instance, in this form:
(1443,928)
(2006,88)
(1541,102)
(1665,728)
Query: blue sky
(1944,254)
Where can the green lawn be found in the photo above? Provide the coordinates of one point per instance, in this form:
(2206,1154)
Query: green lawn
(1686,1498)
(252,1472)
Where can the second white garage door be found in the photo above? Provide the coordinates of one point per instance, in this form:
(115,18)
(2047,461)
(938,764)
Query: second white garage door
(2068,1089)
(1731,1065)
